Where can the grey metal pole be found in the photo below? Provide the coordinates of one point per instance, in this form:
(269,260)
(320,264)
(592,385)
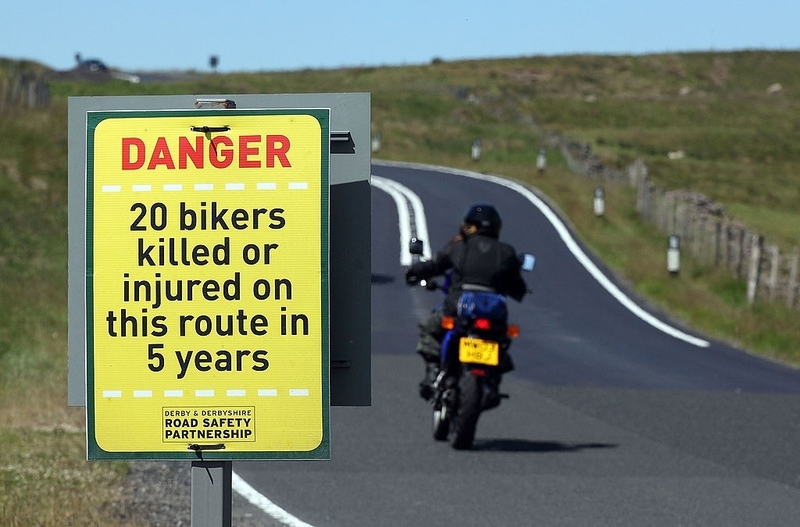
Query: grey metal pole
(211,493)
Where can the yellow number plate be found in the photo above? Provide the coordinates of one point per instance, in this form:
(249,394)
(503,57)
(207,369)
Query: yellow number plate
(479,351)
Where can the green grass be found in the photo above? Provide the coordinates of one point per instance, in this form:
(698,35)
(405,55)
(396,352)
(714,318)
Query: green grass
(46,481)
(741,146)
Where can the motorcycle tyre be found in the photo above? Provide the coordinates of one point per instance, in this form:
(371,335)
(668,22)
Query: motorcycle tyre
(470,400)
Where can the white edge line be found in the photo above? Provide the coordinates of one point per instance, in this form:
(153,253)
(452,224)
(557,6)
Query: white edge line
(422,221)
(574,248)
(259,500)
(401,196)
(402,213)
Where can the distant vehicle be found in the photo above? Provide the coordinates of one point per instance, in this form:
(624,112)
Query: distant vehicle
(92,65)
(98,67)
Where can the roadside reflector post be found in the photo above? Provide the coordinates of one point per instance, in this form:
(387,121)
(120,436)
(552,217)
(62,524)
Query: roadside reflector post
(674,255)
(376,141)
(541,160)
(476,149)
(599,201)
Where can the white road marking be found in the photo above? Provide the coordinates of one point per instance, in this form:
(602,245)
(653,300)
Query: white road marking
(259,500)
(402,197)
(571,244)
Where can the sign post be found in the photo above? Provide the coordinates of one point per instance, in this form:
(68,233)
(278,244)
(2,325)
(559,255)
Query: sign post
(207,284)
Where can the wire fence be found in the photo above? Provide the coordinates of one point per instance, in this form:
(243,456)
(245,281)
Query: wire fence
(704,230)
(20,88)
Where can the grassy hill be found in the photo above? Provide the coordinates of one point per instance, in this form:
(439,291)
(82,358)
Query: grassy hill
(735,116)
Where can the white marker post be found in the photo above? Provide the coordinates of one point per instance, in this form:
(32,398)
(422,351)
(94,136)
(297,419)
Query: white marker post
(476,150)
(674,255)
(599,201)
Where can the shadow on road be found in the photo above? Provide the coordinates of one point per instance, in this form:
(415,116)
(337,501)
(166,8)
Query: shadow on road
(524,445)
(382,279)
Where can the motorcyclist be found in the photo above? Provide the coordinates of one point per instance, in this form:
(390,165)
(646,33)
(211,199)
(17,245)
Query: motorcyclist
(476,257)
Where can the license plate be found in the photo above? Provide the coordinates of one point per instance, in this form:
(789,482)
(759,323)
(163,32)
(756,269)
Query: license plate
(479,351)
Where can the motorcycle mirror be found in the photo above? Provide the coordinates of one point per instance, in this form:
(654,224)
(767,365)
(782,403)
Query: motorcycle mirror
(527,261)
(415,246)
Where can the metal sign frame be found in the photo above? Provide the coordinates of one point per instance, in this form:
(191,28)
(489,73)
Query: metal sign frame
(349,226)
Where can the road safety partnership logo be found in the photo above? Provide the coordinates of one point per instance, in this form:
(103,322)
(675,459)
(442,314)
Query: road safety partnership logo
(209,424)
(207,283)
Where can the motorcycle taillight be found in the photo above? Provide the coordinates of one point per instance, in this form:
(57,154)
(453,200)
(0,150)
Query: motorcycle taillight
(483,324)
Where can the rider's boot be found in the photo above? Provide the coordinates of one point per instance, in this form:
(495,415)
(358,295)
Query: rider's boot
(431,372)
(491,395)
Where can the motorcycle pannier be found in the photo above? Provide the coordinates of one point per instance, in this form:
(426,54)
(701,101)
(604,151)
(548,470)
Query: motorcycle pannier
(473,304)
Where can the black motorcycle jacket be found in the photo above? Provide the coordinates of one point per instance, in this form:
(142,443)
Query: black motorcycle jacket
(476,260)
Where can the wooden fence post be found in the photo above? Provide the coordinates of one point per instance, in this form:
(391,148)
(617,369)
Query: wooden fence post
(753,269)
(775,263)
(726,253)
(717,241)
(792,292)
(739,252)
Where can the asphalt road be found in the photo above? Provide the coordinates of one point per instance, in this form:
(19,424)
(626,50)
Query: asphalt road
(612,420)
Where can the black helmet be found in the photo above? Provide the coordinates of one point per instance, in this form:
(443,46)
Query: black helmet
(485,217)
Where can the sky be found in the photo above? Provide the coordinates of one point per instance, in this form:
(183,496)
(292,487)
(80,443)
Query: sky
(252,35)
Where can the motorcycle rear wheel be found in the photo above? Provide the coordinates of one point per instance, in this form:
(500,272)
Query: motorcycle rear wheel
(470,398)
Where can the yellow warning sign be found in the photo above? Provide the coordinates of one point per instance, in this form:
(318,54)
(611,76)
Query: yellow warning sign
(207,284)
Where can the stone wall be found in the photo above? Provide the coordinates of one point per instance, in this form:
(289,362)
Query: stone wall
(705,230)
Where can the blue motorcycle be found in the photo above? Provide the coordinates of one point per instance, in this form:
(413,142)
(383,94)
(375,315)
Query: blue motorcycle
(474,356)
